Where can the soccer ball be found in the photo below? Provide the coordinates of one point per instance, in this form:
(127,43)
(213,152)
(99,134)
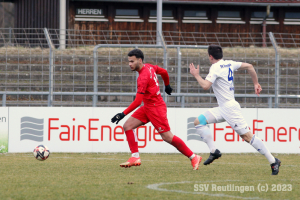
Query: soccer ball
(41,152)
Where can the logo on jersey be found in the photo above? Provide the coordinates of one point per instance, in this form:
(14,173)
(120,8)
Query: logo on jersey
(160,129)
(228,65)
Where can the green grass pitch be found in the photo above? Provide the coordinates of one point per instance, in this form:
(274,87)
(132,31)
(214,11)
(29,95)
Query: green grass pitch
(161,176)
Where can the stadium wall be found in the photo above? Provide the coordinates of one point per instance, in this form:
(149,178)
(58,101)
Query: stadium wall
(176,20)
(90,130)
(41,14)
(36,14)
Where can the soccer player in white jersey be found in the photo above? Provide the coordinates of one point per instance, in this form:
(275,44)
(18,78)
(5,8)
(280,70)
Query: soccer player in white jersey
(220,77)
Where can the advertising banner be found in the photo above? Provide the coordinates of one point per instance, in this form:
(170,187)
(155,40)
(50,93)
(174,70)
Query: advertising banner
(3,130)
(90,130)
(279,129)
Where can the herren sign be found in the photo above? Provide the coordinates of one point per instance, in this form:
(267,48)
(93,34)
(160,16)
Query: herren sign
(87,11)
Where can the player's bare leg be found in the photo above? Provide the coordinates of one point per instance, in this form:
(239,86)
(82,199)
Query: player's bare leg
(181,146)
(129,126)
(132,123)
(258,144)
(167,136)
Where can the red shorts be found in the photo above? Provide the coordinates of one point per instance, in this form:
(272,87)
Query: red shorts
(156,115)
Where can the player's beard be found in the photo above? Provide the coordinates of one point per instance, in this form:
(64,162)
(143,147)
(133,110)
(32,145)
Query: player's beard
(135,68)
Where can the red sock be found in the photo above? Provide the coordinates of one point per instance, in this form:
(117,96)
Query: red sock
(181,146)
(132,141)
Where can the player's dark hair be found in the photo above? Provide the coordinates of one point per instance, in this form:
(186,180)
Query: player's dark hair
(137,53)
(215,51)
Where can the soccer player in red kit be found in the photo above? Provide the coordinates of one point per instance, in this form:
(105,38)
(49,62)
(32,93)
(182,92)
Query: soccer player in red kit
(154,110)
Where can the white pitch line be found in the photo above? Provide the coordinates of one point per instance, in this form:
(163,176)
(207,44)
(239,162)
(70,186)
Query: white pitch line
(157,185)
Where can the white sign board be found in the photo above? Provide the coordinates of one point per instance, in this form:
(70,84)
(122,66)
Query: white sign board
(90,130)
(3,129)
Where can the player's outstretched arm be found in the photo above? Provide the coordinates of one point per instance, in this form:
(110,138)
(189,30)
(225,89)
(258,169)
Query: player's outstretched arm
(252,73)
(138,100)
(165,76)
(205,84)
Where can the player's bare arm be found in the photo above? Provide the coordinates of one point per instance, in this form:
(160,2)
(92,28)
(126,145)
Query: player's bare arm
(252,73)
(205,84)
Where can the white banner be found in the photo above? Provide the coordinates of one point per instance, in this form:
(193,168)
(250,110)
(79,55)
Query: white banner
(90,130)
(3,129)
(279,129)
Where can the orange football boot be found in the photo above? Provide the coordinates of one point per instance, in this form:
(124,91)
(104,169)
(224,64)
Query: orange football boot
(196,161)
(131,162)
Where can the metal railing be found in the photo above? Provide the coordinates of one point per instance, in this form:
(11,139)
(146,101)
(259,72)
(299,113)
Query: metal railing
(182,95)
(33,66)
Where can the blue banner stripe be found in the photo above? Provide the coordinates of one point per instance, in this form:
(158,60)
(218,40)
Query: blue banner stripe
(191,119)
(31,137)
(191,126)
(33,120)
(191,131)
(194,137)
(33,126)
(32,132)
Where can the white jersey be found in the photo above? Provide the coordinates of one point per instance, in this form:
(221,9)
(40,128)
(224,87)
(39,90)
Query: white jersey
(221,75)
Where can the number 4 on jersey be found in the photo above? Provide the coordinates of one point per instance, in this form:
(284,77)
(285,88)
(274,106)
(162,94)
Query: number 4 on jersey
(230,75)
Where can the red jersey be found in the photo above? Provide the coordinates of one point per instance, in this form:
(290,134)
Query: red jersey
(147,84)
